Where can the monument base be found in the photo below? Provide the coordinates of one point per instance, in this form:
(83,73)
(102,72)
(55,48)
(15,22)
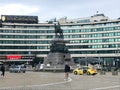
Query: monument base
(57,61)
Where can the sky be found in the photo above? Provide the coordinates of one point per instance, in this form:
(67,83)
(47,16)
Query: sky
(49,9)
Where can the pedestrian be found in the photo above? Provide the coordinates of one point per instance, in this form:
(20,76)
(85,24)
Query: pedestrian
(3,70)
(67,70)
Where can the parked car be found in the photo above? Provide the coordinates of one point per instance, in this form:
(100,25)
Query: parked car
(17,68)
(85,70)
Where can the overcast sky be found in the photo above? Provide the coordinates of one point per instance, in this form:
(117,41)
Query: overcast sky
(48,9)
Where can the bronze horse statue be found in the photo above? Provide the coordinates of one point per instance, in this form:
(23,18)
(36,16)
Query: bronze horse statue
(58,31)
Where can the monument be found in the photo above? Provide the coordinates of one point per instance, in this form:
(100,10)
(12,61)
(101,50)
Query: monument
(59,54)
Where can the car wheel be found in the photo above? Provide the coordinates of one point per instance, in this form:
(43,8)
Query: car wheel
(84,71)
(93,74)
(75,72)
(19,71)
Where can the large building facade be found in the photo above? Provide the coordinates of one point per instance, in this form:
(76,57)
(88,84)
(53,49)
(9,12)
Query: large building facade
(23,38)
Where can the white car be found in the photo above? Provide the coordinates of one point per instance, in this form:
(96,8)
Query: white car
(17,68)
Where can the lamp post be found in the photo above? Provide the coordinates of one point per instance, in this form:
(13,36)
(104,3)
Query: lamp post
(86,57)
(117,63)
(98,57)
(117,60)
(29,53)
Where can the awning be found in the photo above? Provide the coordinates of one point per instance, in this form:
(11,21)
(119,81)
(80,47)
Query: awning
(90,60)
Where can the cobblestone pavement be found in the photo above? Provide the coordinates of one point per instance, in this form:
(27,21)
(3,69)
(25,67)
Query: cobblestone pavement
(55,81)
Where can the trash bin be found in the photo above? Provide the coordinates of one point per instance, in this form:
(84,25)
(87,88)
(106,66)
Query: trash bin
(114,71)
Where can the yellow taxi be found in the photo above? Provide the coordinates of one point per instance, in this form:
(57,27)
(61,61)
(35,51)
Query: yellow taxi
(85,70)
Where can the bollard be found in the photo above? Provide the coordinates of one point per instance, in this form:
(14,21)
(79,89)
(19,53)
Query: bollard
(102,72)
(114,71)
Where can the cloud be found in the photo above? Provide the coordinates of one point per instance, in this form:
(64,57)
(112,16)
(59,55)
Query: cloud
(18,9)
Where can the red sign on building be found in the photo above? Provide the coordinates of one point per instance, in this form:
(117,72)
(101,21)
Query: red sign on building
(13,57)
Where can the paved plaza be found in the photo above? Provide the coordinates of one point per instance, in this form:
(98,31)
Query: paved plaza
(55,81)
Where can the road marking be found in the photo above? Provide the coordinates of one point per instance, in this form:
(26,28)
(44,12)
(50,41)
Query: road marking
(104,88)
(28,86)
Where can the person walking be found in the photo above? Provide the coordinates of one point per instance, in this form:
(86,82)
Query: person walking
(67,70)
(3,70)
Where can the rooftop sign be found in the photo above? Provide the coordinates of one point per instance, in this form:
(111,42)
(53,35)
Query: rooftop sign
(19,19)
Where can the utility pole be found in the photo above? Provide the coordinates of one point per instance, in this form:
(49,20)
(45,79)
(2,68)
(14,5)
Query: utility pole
(98,57)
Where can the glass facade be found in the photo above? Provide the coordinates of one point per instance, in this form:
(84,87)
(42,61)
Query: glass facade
(96,40)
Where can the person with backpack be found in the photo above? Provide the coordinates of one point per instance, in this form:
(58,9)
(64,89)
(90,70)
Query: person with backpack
(3,70)
(67,70)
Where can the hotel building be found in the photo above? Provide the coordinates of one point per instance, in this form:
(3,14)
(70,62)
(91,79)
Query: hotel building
(23,38)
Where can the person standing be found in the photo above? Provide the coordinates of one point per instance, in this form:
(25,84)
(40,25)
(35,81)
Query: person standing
(3,70)
(67,70)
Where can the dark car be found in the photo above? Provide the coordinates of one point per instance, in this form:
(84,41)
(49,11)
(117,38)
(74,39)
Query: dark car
(17,68)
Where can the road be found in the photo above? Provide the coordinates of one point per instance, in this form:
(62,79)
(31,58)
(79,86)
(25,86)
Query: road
(55,81)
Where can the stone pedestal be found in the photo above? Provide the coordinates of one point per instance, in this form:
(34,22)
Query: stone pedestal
(58,56)
(58,59)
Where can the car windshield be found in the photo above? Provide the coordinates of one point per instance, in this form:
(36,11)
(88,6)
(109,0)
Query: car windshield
(85,67)
(15,66)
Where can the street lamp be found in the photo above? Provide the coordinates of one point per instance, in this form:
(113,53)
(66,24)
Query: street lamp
(86,58)
(117,60)
(98,57)
(117,63)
